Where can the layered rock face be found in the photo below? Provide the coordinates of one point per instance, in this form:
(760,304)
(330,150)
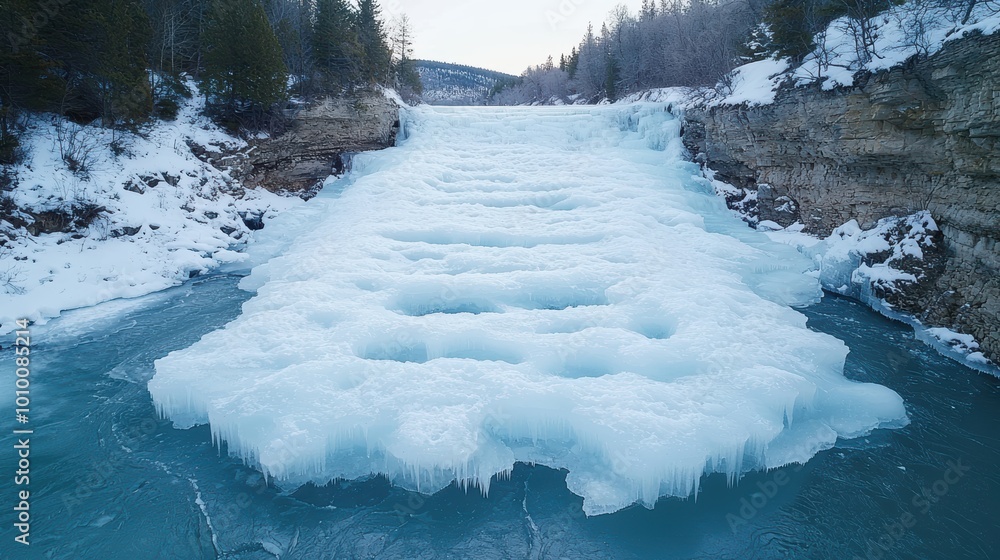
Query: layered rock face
(320,135)
(925,136)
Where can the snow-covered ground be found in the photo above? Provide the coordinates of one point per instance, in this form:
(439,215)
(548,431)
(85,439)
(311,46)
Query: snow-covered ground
(550,285)
(168,215)
(899,33)
(676,96)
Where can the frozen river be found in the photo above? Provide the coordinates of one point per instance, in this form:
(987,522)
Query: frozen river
(522,333)
(114,481)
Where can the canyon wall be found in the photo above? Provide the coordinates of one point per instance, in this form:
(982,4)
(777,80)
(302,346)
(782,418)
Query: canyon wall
(320,134)
(923,136)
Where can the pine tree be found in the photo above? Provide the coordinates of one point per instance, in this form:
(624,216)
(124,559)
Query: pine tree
(21,70)
(26,75)
(591,73)
(794,23)
(121,30)
(758,46)
(377,59)
(335,47)
(85,60)
(790,33)
(244,73)
(573,63)
(611,79)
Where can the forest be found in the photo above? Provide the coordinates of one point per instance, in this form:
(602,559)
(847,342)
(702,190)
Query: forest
(120,63)
(697,43)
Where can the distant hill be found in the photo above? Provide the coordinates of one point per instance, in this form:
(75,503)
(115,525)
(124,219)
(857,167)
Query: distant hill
(455,84)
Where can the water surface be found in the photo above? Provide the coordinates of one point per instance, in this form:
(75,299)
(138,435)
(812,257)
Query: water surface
(112,480)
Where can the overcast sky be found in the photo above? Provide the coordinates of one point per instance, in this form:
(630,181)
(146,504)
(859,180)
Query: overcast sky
(505,35)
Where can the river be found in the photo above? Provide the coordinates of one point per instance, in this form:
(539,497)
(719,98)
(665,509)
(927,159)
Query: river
(112,480)
(619,299)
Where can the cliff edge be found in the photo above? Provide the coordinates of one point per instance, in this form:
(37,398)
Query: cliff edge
(924,136)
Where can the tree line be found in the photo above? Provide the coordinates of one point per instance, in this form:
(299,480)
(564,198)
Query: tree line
(695,43)
(120,62)
(670,43)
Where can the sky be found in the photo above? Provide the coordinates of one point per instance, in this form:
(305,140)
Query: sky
(504,35)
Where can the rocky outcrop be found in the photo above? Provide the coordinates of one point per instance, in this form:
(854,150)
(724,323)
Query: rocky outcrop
(924,136)
(319,137)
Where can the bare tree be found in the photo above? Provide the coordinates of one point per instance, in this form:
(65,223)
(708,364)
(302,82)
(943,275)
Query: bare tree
(677,43)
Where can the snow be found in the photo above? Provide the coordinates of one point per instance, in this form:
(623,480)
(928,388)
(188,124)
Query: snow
(754,84)
(548,285)
(963,344)
(845,253)
(986,26)
(180,227)
(855,261)
(901,32)
(676,96)
(393,95)
(862,263)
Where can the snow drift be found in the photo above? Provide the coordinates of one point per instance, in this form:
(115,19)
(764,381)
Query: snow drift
(543,285)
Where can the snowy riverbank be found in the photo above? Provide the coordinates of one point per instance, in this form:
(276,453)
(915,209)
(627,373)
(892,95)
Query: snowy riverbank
(146,218)
(886,158)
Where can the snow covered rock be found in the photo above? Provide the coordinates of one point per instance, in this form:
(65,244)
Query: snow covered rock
(140,213)
(918,137)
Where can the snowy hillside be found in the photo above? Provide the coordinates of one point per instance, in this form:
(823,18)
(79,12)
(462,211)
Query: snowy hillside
(454,84)
(140,213)
(904,31)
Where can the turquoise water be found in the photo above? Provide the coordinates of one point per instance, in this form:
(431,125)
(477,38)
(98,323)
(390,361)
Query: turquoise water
(111,480)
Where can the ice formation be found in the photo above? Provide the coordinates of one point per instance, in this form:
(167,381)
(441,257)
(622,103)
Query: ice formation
(548,285)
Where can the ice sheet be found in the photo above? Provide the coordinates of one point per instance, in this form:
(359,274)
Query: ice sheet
(549,285)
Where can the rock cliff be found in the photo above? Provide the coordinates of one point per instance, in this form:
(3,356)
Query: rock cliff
(923,136)
(319,136)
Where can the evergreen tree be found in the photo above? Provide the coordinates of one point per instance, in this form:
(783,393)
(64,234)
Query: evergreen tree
(21,70)
(26,79)
(794,23)
(376,57)
(85,60)
(408,79)
(244,73)
(611,79)
(758,46)
(336,51)
(121,30)
(573,63)
(293,27)
(590,73)
(790,33)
